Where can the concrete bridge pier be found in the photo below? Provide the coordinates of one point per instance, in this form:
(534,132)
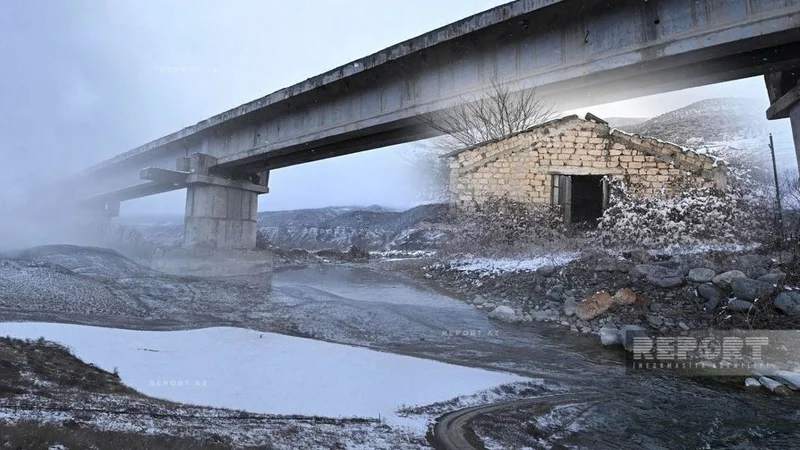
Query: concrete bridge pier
(221,213)
(784,95)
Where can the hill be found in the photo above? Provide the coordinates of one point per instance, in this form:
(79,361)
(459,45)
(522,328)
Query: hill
(731,128)
(711,120)
(374,228)
(619,122)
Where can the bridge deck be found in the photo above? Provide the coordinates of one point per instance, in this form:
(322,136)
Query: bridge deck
(575,52)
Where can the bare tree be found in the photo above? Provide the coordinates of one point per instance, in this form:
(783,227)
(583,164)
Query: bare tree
(494,116)
(497,114)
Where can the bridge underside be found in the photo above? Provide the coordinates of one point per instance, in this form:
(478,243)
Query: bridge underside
(576,53)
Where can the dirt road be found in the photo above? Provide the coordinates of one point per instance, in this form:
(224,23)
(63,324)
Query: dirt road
(452,431)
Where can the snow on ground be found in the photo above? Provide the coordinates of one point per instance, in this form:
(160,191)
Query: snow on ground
(402,254)
(703,248)
(427,414)
(265,372)
(492,266)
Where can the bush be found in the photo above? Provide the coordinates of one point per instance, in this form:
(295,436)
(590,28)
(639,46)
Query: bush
(500,222)
(692,216)
(790,191)
(262,240)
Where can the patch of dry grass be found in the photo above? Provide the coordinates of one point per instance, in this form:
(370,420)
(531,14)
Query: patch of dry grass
(32,435)
(33,366)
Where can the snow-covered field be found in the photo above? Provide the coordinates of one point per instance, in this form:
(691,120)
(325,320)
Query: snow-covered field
(265,372)
(493,266)
(402,254)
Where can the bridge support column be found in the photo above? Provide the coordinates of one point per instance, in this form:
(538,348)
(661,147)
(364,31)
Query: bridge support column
(221,213)
(784,95)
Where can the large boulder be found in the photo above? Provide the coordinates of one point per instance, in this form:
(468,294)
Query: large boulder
(570,306)
(665,282)
(724,279)
(788,302)
(710,292)
(774,386)
(628,332)
(643,270)
(546,271)
(701,275)
(739,305)
(711,305)
(756,272)
(594,306)
(791,379)
(660,276)
(749,289)
(609,335)
(695,262)
(640,256)
(646,270)
(625,296)
(773,278)
(751,383)
(504,314)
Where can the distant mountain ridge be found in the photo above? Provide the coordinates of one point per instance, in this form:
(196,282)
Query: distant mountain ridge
(618,122)
(373,229)
(711,120)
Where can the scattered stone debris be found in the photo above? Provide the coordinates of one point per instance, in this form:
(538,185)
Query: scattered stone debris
(653,293)
(504,314)
(774,386)
(751,383)
(788,302)
(594,306)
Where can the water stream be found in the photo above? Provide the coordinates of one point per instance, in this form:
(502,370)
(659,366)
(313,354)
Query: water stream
(643,410)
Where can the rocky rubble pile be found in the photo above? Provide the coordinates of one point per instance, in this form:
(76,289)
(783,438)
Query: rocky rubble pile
(601,294)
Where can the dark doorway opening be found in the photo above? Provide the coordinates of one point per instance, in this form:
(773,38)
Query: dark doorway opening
(587,199)
(583,197)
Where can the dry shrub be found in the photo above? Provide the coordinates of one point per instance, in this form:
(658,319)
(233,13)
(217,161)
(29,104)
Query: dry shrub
(262,240)
(500,224)
(691,216)
(790,241)
(75,435)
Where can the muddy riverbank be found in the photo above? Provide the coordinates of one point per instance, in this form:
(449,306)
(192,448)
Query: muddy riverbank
(380,306)
(660,293)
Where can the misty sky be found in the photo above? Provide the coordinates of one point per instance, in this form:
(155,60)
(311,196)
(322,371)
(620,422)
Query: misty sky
(85,80)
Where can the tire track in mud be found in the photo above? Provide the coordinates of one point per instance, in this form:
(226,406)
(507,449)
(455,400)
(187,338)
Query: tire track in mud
(452,431)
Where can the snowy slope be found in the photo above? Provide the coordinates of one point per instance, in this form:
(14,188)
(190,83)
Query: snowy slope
(369,228)
(265,372)
(732,123)
(619,122)
(717,119)
(373,228)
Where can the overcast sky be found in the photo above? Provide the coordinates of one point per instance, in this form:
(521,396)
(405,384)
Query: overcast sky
(83,80)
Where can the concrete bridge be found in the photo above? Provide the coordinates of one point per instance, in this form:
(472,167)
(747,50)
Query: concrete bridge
(574,52)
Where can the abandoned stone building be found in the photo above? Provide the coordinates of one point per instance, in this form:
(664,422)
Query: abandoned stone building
(565,161)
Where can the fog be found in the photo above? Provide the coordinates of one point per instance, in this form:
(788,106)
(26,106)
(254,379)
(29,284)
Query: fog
(86,80)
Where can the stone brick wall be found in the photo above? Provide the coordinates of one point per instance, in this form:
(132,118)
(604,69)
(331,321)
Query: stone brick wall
(521,166)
